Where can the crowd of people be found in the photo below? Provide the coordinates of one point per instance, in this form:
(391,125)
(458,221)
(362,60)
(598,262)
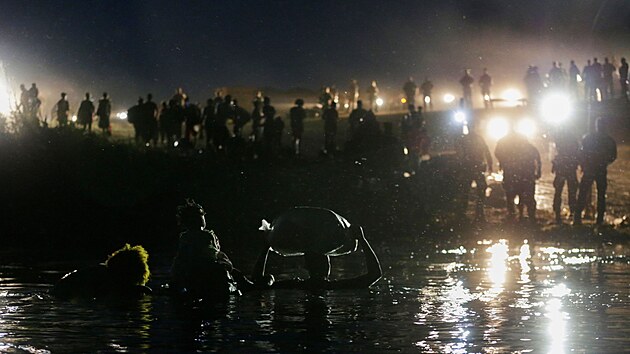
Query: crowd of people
(521,164)
(220,124)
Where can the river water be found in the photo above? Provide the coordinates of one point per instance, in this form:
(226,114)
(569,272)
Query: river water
(492,294)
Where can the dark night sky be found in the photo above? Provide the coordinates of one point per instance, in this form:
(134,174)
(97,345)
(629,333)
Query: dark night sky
(131,47)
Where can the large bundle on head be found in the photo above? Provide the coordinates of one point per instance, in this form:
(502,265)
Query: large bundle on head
(310,230)
(129,265)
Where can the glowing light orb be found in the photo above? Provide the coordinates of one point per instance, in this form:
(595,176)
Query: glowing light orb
(460,117)
(379,102)
(448,98)
(5,93)
(403,100)
(556,108)
(121,115)
(497,128)
(512,96)
(427,99)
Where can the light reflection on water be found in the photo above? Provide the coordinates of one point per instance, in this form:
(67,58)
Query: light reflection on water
(486,295)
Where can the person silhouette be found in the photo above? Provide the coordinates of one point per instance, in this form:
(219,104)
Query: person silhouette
(85,115)
(103,112)
(466,81)
(598,151)
(63,109)
(297,115)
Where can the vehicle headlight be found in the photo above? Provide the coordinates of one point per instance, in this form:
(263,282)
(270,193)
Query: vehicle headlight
(512,96)
(526,127)
(497,128)
(460,117)
(555,108)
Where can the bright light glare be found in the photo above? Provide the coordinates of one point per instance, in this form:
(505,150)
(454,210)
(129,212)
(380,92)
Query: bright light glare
(74,118)
(526,127)
(486,97)
(460,117)
(5,93)
(497,128)
(379,101)
(512,96)
(5,105)
(121,115)
(497,265)
(448,98)
(403,100)
(427,99)
(556,108)
(578,78)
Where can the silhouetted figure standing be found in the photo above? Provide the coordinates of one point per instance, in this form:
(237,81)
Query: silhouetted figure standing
(63,109)
(607,77)
(278,130)
(297,114)
(86,113)
(410,126)
(598,151)
(257,118)
(467,81)
(103,112)
(325,98)
(353,93)
(163,122)
(354,120)
(192,118)
(598,81)
(574,72)
(474,160)
(269,114)
(556,78)
(330,117)
(179,97)
(372,96)
(176,118)
(534,84)
(623,78)
(241,117)
(485,82)
(521,165)
(588,77)
(564,166)
(135,116)
(225,112)
(24,100)
(407,123)
(208,117)
(427,88)
(34,101)
(410,89)
(149,121)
